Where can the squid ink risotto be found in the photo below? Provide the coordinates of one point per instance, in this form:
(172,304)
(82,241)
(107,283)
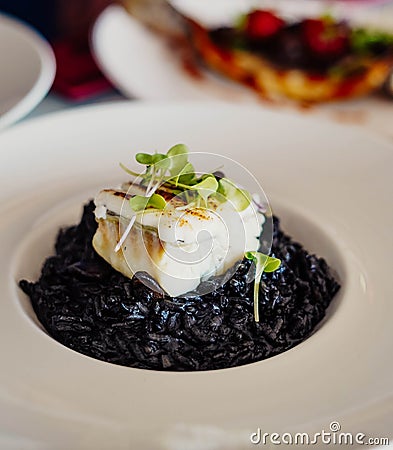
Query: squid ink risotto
(137,283)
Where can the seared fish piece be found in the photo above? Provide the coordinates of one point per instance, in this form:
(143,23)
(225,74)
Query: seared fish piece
(179,246)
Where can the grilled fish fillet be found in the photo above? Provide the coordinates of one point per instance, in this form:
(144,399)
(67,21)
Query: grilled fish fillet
(179,246)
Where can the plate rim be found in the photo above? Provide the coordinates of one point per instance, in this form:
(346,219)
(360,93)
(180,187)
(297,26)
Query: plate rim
(44,81)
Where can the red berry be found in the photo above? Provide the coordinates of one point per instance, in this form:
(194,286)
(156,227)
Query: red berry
(263,24)
(324,38)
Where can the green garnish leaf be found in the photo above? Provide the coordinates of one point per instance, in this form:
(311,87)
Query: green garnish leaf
(139,202)
(178,149)
(272,264)
(363,40)
(240,198)
(157,201)
(187,177)
(263,263)
(252,256)
(206,187)
(186,174)
(161,162)
(144,158)
(157,157)
(178,156)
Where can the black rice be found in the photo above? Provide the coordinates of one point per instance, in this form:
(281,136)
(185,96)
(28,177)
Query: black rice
(91,308)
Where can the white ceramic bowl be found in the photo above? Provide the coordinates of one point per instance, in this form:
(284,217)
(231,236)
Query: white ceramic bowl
(332,188)
(27,69)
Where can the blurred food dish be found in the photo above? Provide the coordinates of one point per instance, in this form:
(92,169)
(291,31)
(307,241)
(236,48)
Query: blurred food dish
(158,15)
(143,63)
(309,60)
(27,69)
(306,54)
(389,84)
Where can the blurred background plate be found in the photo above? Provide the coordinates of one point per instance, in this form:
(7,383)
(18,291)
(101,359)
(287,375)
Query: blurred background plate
(220,12)
(141,64)
(27,69)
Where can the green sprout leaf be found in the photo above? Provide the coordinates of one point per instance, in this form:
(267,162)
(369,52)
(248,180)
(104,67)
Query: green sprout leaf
(187,178)
(175,172)
(161,162)
(186,174)
(178,149)
(144,158)
(240,198)
(178,157)
(158,157)
(272,264)
(206,187)
(263,263)
(139,202)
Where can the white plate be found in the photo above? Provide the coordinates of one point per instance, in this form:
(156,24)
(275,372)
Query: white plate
(331,186)
(224,12)
(140,64)
(27,69)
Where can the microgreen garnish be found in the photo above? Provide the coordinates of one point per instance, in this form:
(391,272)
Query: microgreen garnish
(206,188)
(140,203)
(178,155)
(173,173)
(177,175)
(144,158)
(263,263)
(186,175)
(240,198)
